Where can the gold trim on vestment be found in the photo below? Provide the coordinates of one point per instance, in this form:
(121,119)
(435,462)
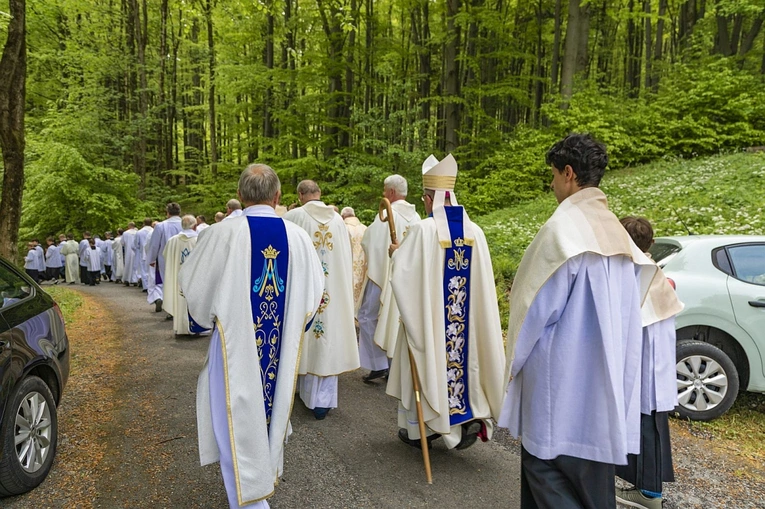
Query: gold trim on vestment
(439,182)
(231,422)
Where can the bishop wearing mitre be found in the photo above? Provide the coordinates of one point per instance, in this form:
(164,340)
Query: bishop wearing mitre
(443,282)
(330,347)
(257,281)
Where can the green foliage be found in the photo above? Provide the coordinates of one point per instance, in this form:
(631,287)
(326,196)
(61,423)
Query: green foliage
(65,193)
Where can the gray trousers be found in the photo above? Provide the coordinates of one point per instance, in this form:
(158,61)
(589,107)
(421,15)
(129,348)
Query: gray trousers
(566,482)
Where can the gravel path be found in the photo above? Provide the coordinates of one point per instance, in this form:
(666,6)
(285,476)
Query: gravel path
(128,437)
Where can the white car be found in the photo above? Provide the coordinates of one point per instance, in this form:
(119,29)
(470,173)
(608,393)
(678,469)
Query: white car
(721,331)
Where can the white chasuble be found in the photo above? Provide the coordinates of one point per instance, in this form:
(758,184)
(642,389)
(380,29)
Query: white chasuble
(119,258)
(70,250)
(376,242)
(219,280)
(450,321)
(130,271)
(177,251)
(330,346)
(356,233)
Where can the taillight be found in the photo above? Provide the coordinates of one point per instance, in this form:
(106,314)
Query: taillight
(672,283)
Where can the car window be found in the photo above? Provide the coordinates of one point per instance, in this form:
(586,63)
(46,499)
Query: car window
(721,261)
(661,250)
(748,262)
(13,288)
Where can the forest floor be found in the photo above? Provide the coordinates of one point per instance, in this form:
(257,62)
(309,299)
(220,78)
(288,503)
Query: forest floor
(127,435)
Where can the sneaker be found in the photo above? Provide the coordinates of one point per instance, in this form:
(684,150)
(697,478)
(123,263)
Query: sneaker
(634,498)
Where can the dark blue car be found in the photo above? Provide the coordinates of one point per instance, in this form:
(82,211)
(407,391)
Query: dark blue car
(34,367)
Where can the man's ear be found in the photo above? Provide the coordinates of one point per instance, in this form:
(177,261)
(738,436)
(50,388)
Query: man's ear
(239,196)
(277,198)
(569,173)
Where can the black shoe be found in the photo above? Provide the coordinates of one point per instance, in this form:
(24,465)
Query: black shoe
(404,437)
(470,432)
(374,375)
(169,317)
(158,305)
(144,290)
(127,283)
(320,413)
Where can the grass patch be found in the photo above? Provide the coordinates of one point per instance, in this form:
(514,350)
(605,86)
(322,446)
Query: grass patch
(68,300)
(742,427)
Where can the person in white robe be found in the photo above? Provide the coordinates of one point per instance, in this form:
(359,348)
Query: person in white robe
(176,252)
(107,250)
(651,468)
(101,248)
(84,246)
(70,250)
(233,209)
(257,281)
(378,314)
(92,257)
(52,261)
(40,260)
(330,348)
(30,262)
(162,233)
(60,245)
(356,233)
(201,224)
(141,248)
(442,279)
(574,340)
(118,249)
(129,241)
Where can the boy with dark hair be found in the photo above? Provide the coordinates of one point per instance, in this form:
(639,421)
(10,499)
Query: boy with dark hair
(30,262)
(93,263)
(653,466)
(52,261)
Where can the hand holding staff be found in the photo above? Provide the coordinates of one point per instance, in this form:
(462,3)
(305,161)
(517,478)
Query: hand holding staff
(385,206)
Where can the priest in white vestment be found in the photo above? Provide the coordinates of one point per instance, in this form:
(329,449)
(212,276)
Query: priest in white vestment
(142,243)
(574,340)
(356,233)
(233,209)
(129,241)
(177,251)
(159,237)
(442,279)
(258,281)
(119,257)
(378,314)
(70,249)
(330,347)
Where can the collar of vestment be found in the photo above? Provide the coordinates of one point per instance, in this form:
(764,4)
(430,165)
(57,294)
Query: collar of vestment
(173,219)
(189,233)
(260,211)
(320,211)
(353,221)
(582,223)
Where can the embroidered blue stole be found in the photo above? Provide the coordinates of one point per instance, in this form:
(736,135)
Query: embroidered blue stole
(194,327)
(268,284)
(456,318)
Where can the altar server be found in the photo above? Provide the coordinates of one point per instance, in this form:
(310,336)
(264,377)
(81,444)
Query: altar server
(162,233)
(574,340)
(330,348)
(378,314)
(84,246)
(254,270)
(176,252)
(442,279)
(92,257)
(108,255)
(141,248)
(52,261)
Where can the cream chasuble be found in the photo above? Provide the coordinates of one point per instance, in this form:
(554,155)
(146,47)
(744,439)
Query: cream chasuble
(356,233)
(177,251)
(330,345)
(119,258)
(453,384)
(70,250)
(217,283)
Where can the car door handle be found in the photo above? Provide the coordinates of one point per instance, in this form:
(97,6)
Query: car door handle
(757,303)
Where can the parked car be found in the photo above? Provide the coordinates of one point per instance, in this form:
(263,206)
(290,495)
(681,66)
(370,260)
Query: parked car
(34,367)
(721,331)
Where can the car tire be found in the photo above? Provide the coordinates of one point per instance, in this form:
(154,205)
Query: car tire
(31,398)
(707,381)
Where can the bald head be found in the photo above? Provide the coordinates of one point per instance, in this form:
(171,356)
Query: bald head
(308,190)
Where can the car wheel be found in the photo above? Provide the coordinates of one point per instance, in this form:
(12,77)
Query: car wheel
(707,381)
(30,435)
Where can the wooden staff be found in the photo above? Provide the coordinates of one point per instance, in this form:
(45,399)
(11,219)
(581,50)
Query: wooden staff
(385,207)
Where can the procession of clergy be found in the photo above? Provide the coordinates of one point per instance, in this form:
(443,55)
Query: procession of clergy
(585,375)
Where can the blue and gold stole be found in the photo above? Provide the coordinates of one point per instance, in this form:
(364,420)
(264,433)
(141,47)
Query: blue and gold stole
(456,318)
(268,284)
(194,327)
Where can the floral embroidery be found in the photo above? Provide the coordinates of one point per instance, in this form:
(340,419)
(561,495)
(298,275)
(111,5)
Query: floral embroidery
(455,344)
(318,328)
(323,239)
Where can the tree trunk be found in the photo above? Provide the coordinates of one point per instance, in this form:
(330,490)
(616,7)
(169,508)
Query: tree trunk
(451,78)
(268,60)
(570,52)
(648,46)
(658,53)
(751,35)
(583,40)
(632,65)
(555,65)
(13,67)
(211,90)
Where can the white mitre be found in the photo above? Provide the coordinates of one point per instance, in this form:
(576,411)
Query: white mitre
(441,178)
